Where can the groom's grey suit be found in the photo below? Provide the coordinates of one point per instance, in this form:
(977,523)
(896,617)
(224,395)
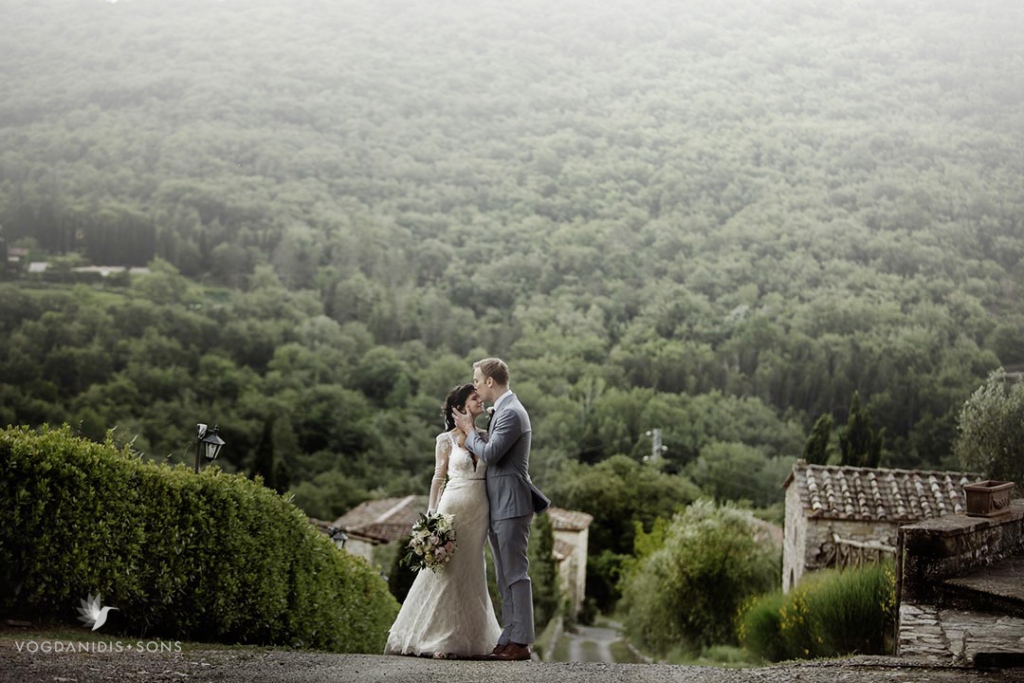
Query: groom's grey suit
(513,501)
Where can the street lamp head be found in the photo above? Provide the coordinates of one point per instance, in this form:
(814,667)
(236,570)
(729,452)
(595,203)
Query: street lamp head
(212,444)
(338,536)
(207,443)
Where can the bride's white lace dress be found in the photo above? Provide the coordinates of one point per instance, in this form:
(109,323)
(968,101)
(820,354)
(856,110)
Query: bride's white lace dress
(449,612)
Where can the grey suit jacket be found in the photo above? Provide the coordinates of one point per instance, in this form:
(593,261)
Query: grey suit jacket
(506,452)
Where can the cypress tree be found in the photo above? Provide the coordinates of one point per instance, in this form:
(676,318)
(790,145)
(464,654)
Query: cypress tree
(816,450)
(859,444)
(263,463)
(547,594)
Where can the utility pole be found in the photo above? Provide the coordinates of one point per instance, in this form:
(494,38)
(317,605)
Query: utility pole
(656,448)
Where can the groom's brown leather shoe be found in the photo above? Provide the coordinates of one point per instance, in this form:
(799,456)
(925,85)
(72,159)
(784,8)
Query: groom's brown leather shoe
(513,652)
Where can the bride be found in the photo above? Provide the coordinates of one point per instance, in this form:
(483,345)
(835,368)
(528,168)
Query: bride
(448,614)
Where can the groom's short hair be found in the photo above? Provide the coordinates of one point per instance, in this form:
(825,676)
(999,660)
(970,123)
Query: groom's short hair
(494,368)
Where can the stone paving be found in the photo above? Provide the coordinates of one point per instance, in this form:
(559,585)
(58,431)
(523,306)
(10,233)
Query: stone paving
(956,637)
(962,590)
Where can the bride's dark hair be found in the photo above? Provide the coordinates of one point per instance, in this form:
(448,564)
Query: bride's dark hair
(456,401)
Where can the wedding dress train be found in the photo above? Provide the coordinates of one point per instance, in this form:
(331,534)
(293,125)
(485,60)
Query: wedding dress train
(449,612)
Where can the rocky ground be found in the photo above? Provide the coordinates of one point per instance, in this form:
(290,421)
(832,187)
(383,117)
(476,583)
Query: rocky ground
(246,665)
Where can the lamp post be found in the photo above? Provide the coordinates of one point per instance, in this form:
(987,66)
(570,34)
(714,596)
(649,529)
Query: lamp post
(208,444)
(338,536)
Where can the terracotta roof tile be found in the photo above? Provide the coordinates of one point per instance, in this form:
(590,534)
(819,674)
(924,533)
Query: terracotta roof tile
(392,518)
(862,493)
(568,520)
(388,518)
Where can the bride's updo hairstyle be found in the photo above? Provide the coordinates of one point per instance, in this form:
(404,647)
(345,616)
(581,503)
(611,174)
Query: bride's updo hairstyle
(456,401)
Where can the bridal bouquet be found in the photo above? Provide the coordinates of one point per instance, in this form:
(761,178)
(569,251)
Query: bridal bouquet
(432,543)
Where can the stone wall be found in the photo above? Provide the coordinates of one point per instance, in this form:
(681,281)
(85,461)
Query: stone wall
(808,544)
(935,550)
(794,533)
(573,569)
(364,549)
(960,594)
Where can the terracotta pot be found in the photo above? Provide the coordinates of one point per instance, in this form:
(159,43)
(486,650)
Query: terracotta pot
(988,498)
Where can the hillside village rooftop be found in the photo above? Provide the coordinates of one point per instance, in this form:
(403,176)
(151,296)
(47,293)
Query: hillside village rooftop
(836,492)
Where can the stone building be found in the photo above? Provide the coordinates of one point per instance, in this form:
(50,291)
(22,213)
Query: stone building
(374,525)
(571,530)
(841,516)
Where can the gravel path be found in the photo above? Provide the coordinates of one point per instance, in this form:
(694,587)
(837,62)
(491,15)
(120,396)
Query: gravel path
(272,666)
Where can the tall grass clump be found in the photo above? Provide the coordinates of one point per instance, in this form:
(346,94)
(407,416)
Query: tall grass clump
(831,613)
(201,557)
(853,610)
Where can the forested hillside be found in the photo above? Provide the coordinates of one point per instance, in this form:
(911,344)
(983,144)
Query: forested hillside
(717,219)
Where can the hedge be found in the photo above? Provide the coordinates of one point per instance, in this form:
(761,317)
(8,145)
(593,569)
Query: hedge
(211,557)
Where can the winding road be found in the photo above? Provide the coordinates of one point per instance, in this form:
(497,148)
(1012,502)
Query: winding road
(592,643)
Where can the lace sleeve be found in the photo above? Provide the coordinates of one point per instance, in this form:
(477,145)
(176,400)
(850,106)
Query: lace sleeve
(441,453)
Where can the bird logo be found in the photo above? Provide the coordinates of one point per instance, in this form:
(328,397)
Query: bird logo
(91,613)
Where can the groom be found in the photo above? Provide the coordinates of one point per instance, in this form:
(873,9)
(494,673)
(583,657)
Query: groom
(513,501)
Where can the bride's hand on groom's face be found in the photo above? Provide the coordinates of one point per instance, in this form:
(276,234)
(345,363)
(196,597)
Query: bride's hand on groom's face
(463,420)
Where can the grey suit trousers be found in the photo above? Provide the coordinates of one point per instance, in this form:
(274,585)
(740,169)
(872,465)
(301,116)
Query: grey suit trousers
(509,539)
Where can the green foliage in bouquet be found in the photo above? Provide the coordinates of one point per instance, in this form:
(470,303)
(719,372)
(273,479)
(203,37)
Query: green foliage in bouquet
(212,557)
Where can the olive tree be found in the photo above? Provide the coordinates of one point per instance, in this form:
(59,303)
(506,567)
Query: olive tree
(686,593)
(990,434)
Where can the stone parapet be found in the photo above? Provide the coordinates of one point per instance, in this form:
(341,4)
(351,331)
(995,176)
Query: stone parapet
(959,591)
(932,551)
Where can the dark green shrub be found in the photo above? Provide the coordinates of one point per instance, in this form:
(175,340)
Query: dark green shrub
(759,628)
(588,612)
(209,557)
(604,570)
(400,577)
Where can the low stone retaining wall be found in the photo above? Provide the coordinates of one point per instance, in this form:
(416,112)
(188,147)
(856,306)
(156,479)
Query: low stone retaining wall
(944,616)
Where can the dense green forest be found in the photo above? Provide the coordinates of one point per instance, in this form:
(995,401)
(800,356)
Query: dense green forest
(720,220)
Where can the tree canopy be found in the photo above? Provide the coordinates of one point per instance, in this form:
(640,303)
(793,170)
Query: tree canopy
(720,220)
